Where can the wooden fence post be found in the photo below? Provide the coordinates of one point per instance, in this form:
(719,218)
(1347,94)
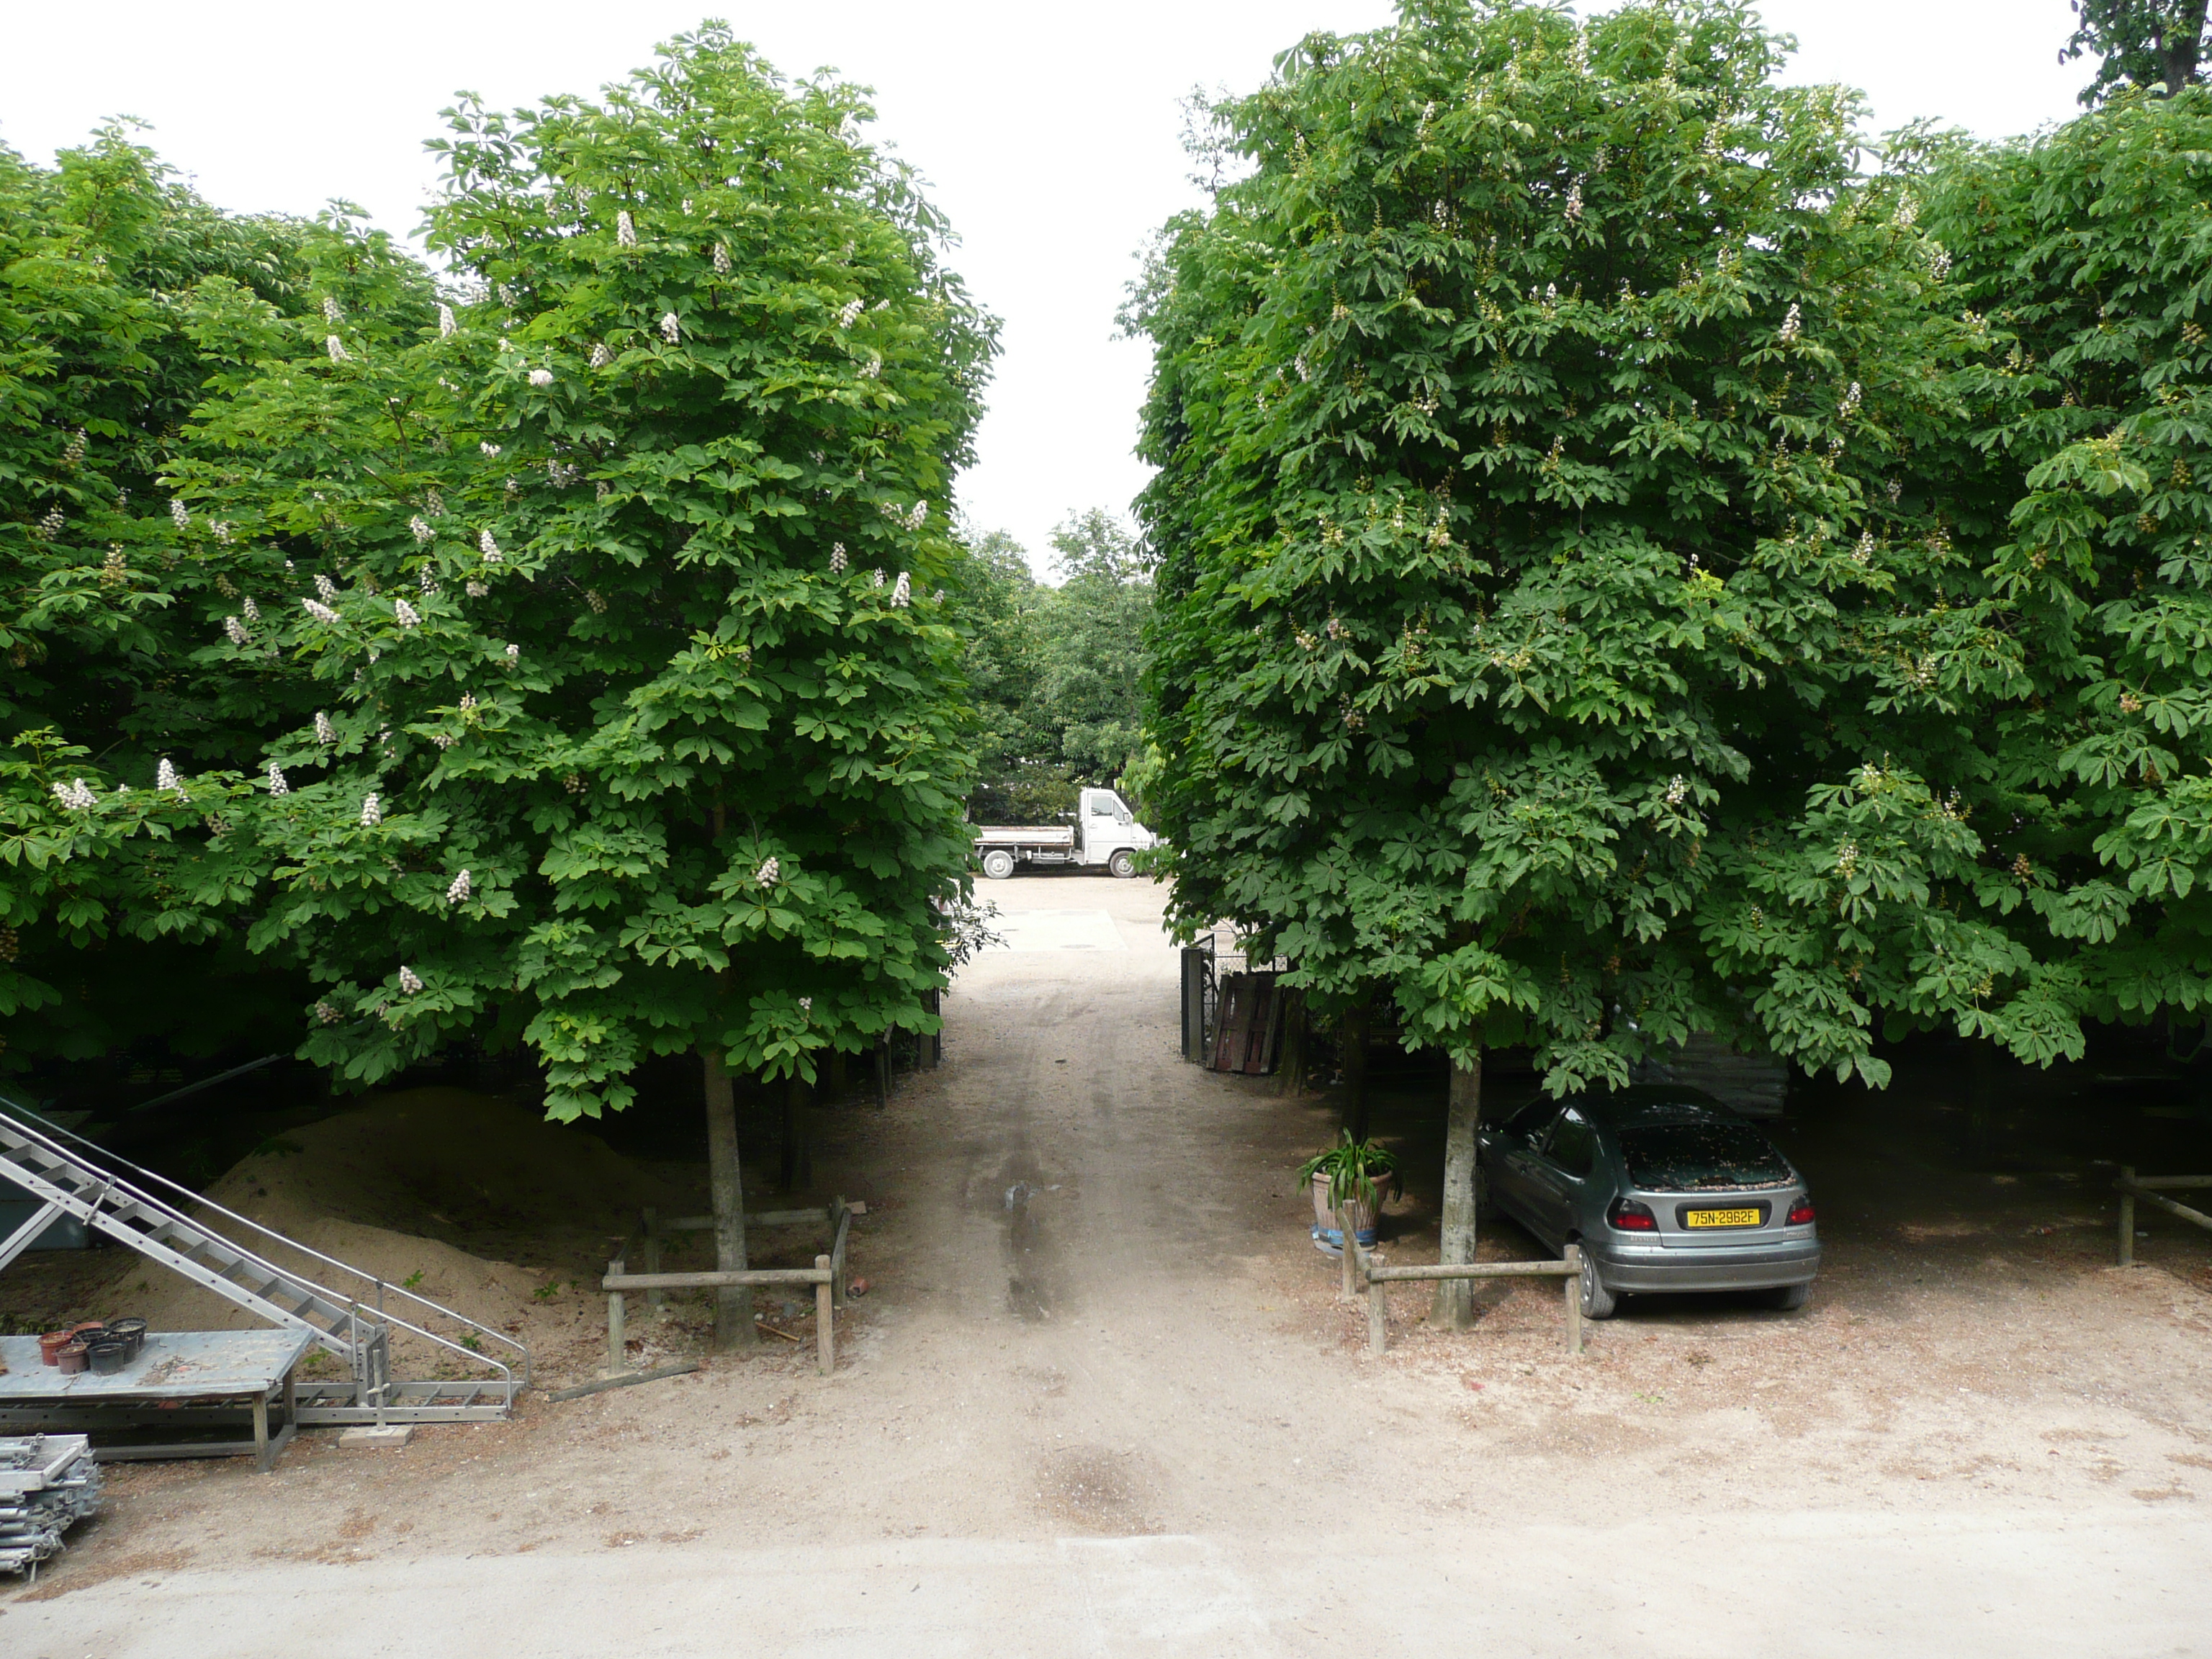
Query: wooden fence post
(649,1224)
(836,1221)
(1350,1286)
(2127,1218)
(1378,1309)
(1573,1281)
(825,1325)
(618,1339)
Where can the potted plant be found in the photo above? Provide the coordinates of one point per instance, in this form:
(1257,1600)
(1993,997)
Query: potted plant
(1351,1176)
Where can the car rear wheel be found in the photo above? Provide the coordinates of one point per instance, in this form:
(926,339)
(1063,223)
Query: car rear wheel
(998,864)
(1598,1301)
(1122,864)
(1790,1297)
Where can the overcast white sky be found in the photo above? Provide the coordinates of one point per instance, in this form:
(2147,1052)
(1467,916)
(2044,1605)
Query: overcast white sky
(1051,133)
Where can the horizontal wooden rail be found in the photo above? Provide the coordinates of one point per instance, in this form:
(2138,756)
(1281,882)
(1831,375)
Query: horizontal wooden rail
(2131,1187)
(705,1224)
(711,1280)
(1476,1270)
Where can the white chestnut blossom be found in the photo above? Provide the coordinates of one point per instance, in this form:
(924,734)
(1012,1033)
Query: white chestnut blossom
(276,784)
(1574,203)
(253,610)
(837,560)
(601,357)
(76,796)
(372,813)
(1850,406)
(488,547)
(336,347)
(671,327)
(326,588)
(721,260)
(487,446)
(507,297)
(769,874)
(514,653)
(902,592)
(319,611)
(324,731)
(1793,325)
(625,230)
(324,1012)
(435,500)
(878,580)
(50,525)
(180,513)
(851,313)
(459,892)
(409,980)
(474,589)
(406,613)
(331,314)
(445,323)
(235,628)
(420,527)
(541,377)
(1677,790)
(164,775)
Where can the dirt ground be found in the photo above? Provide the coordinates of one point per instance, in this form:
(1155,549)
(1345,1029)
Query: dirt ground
(1103,1395)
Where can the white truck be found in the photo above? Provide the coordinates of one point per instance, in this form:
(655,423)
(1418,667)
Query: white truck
(1105,832)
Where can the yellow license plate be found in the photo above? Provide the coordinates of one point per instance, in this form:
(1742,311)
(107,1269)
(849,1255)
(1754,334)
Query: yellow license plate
(1720,1219)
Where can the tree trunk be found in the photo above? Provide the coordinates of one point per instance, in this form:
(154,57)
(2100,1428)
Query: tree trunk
(733,1304)
(1981,1098)
(1352,1058)
(1292,1069)
(1454,1303)
(2183,37)
(797,1161)
(837,1075)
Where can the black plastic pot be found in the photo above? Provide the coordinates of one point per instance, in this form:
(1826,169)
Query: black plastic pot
(132,1331)
(108,1356)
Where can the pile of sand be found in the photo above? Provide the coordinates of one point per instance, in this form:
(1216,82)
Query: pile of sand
(479,1205)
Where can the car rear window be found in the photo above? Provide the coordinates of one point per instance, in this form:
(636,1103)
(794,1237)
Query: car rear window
(1700,1158)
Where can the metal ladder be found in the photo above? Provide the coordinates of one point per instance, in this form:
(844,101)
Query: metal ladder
(67,1182)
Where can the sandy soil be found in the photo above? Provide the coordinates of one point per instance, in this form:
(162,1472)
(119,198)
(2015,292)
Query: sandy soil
(1102,1394)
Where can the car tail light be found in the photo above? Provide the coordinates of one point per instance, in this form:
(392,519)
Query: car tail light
(1628,1216)
(1801,1213)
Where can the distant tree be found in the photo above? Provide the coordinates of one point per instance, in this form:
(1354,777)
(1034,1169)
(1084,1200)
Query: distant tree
(1002,657)
(2151,43)
(1092,646)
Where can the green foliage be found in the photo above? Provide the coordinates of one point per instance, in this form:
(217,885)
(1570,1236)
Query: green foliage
(999,602)
(112,919)
(1567,543)
(2139,43)
(606,590)
(2089,251)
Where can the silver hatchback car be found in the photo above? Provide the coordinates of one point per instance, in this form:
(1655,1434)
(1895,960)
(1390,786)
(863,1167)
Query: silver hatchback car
(1664,1188)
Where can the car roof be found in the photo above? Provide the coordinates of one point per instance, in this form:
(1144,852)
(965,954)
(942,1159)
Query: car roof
(1642,1103)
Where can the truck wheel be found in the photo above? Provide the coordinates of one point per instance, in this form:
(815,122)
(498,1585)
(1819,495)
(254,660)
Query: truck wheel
(998,864)
(1122,864)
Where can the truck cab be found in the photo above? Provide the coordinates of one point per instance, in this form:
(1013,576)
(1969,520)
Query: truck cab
(1105,832)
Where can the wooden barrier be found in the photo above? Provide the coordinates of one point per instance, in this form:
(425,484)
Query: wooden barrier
(2131,1187)
(1379,1274)
(826,1275)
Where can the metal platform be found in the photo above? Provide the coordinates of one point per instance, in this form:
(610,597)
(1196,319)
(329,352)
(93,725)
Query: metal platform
(248,1369)
(347,1313)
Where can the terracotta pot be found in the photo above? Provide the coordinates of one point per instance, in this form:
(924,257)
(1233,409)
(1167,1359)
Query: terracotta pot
(1363,1215)
(51,1344)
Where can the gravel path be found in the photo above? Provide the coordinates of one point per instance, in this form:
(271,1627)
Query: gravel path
(1102,1400)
